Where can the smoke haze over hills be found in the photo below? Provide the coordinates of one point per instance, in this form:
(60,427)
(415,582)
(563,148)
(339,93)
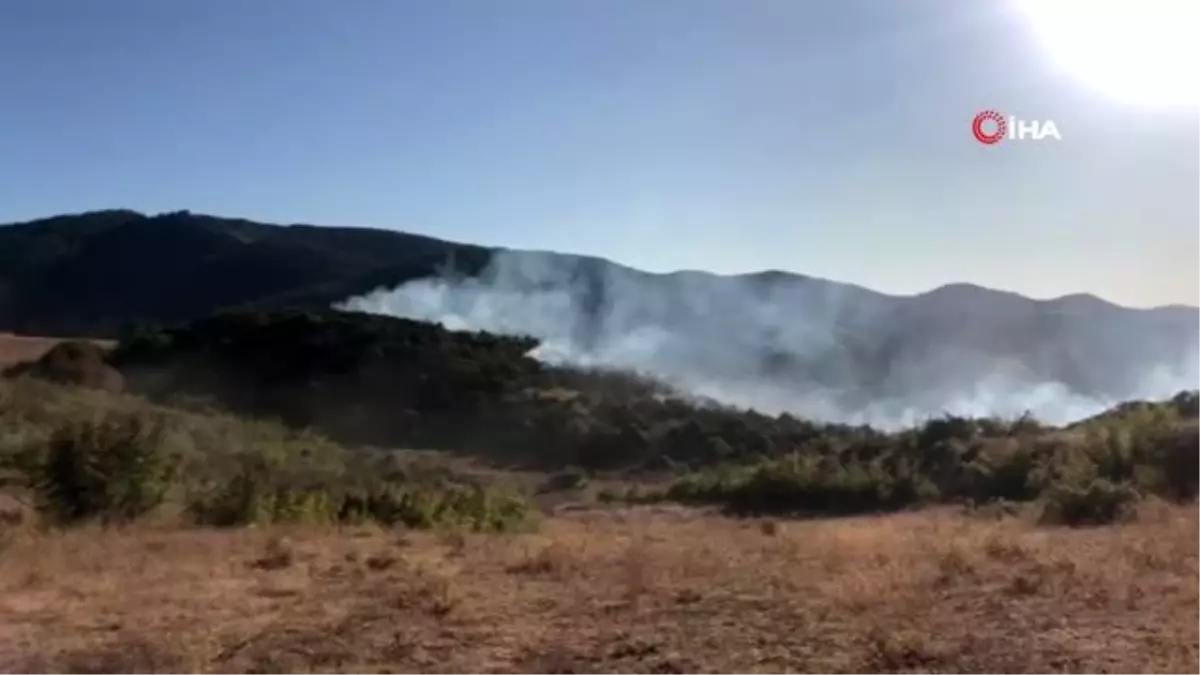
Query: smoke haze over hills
(774,341)
(780,342)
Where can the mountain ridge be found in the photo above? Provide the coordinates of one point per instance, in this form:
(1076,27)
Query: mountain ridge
(241,228)
(771,340)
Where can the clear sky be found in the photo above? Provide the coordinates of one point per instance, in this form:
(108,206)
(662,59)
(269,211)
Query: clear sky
(830,138)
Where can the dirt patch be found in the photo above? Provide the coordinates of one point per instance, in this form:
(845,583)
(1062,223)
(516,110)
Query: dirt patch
(79,362)
(16,349)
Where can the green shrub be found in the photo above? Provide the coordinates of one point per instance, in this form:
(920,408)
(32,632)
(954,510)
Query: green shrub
(1172,466)
(476,508)
(247,499)
(1097,503)
(805,483)
(114,467)
(1005,470)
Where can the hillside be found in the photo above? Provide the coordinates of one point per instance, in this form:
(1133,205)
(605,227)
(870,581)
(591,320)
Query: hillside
(780,342)
(91,273)
(774,341)
(392,382)
(365,379)
(365,558)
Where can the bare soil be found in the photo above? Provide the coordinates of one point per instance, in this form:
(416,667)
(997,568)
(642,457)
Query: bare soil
(16,349)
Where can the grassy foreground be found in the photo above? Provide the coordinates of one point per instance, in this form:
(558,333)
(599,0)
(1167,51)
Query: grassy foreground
(646,589)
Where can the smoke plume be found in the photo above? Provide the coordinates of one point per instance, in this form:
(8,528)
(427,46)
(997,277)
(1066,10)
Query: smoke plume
(813,348)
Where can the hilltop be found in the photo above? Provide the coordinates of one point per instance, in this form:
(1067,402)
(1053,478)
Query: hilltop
(92,273)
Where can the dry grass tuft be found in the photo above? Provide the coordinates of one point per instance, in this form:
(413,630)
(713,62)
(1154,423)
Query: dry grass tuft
(615,590)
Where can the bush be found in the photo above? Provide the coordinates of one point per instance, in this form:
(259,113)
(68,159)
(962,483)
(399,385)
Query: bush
(1100,502)
(113,467)
(1006,471)
(250,498)
(476,508)
(807,484)
(1087,473)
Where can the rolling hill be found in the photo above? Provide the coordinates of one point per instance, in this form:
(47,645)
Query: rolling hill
(772,340)
(91,273)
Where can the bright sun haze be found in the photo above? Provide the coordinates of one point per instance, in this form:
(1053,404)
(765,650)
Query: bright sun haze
(1138,51)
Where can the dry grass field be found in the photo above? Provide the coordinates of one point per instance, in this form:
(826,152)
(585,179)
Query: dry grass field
(19,348)
(649,589)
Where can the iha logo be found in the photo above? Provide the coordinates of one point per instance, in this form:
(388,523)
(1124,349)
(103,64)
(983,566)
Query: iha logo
(990,127)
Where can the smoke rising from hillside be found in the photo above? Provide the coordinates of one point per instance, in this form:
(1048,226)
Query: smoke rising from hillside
(775,343)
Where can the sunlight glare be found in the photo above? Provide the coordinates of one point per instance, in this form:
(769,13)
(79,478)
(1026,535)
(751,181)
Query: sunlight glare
(1143,52)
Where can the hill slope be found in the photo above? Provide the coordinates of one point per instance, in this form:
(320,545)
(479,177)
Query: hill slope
(89,274)
(773,340)
(780,342)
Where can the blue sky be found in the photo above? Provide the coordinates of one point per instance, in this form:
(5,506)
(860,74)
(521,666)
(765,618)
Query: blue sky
(828,138)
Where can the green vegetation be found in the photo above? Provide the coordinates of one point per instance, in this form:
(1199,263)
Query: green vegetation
(84,455)
(1092,473)
(367,379)
(392,382)
(339,380)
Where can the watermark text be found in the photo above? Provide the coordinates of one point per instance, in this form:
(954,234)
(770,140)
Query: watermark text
(990,127)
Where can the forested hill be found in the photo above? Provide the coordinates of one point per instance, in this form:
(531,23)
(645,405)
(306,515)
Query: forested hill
(88,274)
(772,340)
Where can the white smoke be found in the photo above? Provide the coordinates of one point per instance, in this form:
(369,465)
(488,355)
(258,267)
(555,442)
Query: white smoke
(769,343)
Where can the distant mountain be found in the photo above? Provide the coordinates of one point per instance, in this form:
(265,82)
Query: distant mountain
(772,340)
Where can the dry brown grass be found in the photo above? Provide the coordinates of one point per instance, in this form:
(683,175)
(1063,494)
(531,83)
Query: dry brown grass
(16,349)
(633,590)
